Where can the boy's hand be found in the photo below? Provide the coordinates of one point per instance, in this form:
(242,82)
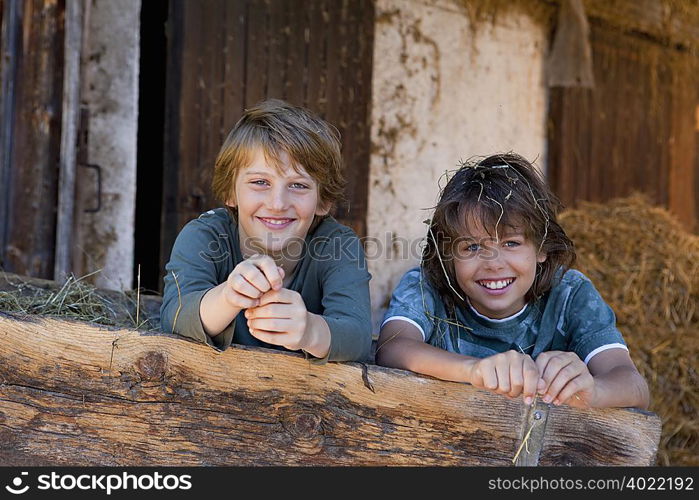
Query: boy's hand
(280,319)
(509,373)
(565,379)
(250,279)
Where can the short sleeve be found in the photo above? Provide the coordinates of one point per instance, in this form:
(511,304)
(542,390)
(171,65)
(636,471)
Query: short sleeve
(591,323)
(413,300)
(197,259)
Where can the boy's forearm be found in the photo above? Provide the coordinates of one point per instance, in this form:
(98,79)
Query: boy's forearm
(424,358)
(215,313)
(318,335)
(621,387)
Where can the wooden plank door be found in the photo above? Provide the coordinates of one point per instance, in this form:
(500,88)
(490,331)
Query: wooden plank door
(30,131)
(635,131)
(224,56)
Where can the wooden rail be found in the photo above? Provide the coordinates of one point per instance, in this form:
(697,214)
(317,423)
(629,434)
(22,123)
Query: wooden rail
(72,393)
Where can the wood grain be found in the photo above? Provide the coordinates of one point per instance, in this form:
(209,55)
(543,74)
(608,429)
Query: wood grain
(75,394)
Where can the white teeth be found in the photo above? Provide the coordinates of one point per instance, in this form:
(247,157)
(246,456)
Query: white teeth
(496,285)
(276,222)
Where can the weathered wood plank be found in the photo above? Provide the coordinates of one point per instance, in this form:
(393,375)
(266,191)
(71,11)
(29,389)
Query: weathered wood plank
(70,121)
(633,132)
(75,394)
(31,193)
(676,23)
(599,437)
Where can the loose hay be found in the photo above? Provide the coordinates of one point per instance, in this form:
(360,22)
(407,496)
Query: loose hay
(76,299)
(646,266)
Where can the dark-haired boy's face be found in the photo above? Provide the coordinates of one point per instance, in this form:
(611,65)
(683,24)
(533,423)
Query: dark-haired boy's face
(275,206)
(496,271)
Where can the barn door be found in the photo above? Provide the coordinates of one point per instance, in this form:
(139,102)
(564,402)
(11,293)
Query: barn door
(224,56)
(31,69)
(635,131)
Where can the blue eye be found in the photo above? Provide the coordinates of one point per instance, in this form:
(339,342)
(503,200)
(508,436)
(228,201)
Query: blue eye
(473,247)
(512,244)
(298,185)
(259,182)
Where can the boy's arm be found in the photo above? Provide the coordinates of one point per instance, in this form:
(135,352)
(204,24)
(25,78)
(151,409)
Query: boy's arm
(609,380)
(190,273)
(215,311)
(617,381)
(346,307)
(400,345)
(508,373)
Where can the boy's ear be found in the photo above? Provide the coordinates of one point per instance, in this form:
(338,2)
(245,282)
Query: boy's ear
(541,257)
(231,200)
(323,208)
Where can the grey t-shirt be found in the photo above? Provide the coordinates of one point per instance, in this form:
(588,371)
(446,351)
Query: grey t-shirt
(331,277)
(572,316)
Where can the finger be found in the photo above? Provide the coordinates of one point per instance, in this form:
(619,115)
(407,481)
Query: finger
(253,275)
(271,310)
(270,324)
(268,337)
(516,378)
(531,378)
(239,300)
(502,369)
(564,376)
(269,268)
(570,389)
(282,296)
(556,362)
(542,361)
(243,287)
(488,376)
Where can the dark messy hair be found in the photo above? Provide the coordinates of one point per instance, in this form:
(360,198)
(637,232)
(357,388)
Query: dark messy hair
(277,127)
(501,192)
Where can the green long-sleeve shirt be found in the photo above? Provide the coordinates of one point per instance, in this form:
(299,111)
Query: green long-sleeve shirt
(331,277)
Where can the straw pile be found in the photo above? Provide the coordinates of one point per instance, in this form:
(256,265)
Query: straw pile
(646,266)
(75,299)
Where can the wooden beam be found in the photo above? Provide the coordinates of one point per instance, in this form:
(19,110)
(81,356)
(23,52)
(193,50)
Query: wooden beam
(673,22)
(10,40)
(75,394)
(70,118)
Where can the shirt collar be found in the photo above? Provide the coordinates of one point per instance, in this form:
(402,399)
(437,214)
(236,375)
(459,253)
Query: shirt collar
(501,320)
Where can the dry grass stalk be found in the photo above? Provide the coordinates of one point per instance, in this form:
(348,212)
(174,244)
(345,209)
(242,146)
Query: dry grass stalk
(76,299)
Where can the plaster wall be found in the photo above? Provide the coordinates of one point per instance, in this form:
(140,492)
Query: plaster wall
(442,92)
(105,239)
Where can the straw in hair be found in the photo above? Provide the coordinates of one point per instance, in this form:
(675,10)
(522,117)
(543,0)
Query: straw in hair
(499,192)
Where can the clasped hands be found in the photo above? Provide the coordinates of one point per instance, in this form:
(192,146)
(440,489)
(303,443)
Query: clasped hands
(274,314)
(558,377)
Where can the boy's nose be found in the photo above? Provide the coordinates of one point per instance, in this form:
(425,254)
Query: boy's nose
(278,199)
(494,261)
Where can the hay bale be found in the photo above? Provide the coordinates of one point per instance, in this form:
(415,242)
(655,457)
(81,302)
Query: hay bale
(646,266)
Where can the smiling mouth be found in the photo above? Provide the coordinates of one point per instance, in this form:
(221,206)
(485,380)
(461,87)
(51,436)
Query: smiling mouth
(496,284)
(276,222)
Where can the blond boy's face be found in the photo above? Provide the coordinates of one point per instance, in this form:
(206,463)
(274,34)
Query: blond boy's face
(275,208)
